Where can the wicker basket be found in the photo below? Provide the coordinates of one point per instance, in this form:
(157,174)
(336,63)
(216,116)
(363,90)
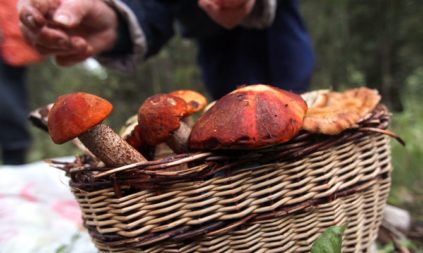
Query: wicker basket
(277,199)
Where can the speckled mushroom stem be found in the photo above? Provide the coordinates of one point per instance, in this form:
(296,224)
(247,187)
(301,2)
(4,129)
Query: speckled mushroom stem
(178,142)
(109,147)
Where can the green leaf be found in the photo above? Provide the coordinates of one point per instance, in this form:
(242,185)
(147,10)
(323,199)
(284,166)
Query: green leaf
(61,249)
(330,241)
(68,248)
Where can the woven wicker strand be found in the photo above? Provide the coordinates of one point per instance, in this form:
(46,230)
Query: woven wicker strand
(277,199)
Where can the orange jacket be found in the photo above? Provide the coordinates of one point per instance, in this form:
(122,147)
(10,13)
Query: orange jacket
(14,50)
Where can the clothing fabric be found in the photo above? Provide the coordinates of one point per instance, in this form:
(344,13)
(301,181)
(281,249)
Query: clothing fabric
(272,45)
(15,55)
(14,50)
(14,133)
(280,55)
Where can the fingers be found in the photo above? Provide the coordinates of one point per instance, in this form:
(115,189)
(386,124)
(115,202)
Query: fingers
(209,6)
(53,38)
(227,17)
(82,52)
(70,13)
(231,3)
(47,38)
(50,41)
(31,18)
(220,15)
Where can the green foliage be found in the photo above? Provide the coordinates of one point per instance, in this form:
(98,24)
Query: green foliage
(378,44)
(407,244)
(408,161)
(330,241)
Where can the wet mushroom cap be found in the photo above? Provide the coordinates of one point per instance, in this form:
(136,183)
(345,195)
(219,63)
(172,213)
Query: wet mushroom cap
(75,113)
(159,116)
(250,117)
(195,101)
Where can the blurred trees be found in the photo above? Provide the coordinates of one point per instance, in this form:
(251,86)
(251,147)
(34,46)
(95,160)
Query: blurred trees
(375,43)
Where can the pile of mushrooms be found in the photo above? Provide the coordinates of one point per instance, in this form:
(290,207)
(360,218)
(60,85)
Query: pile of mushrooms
(249,117)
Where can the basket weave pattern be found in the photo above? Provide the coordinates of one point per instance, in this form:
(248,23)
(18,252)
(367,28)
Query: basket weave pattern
(256,206)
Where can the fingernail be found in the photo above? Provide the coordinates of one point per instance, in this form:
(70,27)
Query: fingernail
(31,21)
(63,19)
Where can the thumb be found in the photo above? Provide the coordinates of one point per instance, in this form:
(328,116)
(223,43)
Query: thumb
(71,12)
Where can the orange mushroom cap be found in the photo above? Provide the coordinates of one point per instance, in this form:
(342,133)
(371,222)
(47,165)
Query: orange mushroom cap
(195,101)
(159,116)
(249,117)
(75,113)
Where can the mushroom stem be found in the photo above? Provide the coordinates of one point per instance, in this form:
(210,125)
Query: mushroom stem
(178,142)
(109,147)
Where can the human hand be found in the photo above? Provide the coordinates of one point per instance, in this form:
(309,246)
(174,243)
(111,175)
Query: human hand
(230,3)
(70,30)
(227,13)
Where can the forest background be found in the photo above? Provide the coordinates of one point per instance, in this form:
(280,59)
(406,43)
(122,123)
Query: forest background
(376,43)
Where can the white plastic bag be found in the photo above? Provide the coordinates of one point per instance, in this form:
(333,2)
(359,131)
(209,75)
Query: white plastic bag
(38,213)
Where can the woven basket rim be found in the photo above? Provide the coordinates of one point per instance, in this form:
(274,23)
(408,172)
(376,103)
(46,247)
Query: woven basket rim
(87,176)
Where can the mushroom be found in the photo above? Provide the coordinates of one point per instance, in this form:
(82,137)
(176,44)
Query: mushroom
(39,118)
(131,133)
(249,117)
(80,115)
(332,112)
(210,105)
(195,103)
(159,118)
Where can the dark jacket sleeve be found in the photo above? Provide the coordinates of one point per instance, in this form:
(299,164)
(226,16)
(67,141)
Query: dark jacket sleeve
(155,18)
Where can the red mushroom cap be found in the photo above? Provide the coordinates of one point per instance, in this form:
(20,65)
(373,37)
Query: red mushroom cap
(75,113)
(249,117)
(159,116)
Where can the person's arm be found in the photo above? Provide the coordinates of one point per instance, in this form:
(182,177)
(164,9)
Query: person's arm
(144,28)
(73,30)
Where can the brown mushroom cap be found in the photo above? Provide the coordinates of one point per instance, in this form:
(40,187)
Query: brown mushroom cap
(250,117)
(131,133)
(159,116)
(332,112)
(195,101)
(74,114)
